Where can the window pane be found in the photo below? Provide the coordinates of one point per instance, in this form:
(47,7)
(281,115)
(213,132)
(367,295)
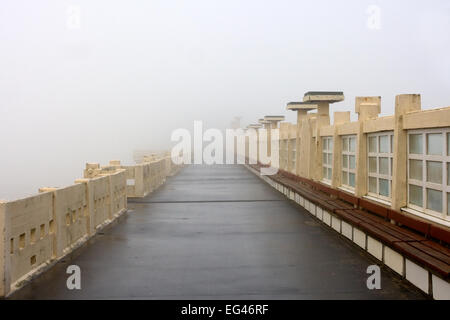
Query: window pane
(352,144)
(384,187)
(373,144)
(324,172)
(384,165)
(415,143)
(384,144)
(392,143)
(392,166)
(324,158)
(415,195)
(448,144)
(434,171)
(372,184)
(372,164)
(434,200)
(330,144)
(434,143)
(344,161)
(351,179)
(415,169)
(352,162)
(330,156)
(344,177)
(324,144)
(329,173)
(448,204)
(448,173)
(344,144)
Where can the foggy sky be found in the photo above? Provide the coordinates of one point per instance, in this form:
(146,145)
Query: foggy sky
(136,70)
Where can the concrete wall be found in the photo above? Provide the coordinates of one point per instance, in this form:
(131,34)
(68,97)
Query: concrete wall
(23,245)
(408,116)
(39,230)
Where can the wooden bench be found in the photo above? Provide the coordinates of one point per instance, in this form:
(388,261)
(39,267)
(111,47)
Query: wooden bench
(413,238)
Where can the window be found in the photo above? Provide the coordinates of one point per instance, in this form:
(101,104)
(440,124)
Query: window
(428,171)
(293,143)
(380,161)
(283,154)
(327,158)
(348,161)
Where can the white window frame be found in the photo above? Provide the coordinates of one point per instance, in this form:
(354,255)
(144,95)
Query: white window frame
(424,184)
(378,155)
(348,153)
(327,150)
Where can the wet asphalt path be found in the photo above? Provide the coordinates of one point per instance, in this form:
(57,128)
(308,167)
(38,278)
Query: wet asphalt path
(217,232)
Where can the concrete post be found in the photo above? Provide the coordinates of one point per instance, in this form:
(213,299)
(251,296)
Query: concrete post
(272,122)
(274,125)
(361,162)
(292,135)
(284,146)
(90,206)
(91,170)
(268,138)
(246,143)
(307,156)
(366,108)
(323,99)
(257,145)
(312,146)
(5,261)
(302,108)
(404,103)
(139,180)
(301,115)
(264,138)
(253,127)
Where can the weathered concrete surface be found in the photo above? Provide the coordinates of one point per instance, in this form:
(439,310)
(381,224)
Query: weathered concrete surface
(217,233)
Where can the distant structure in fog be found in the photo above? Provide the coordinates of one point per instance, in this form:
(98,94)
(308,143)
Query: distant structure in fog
(236,123)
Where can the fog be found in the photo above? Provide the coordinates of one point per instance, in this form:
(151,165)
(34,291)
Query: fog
(91,81)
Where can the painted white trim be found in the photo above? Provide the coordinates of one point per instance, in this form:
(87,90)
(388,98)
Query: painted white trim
(327,182)
(369,197)
(426,216)
(347,189)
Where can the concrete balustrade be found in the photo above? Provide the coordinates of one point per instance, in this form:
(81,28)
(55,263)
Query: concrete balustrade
(39,230)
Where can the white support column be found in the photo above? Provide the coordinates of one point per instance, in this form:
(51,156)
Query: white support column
(302,108)
(366,108)
(404,103)
(323,99)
